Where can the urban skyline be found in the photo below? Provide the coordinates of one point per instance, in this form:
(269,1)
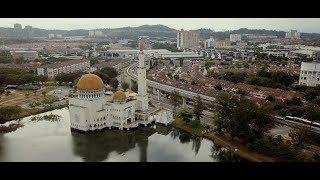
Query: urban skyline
(308,25)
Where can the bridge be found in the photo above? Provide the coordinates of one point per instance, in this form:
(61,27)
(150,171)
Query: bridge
(129,72)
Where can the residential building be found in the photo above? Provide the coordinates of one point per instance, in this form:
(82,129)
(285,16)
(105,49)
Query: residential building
(52,70)
(28,31)
(17,30)
(221,43)
(235,37)
(310,73)
(95,33)
(51,36)
(17,26)
(293,34)
(316,56)
(278,53)
(209,43)
(26,55)
(188,39)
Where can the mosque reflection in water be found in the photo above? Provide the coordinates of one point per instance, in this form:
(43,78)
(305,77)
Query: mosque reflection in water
(99,145)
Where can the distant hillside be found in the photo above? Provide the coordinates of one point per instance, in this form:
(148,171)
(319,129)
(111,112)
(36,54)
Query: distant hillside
(146,30)
(118,33)
(155,31)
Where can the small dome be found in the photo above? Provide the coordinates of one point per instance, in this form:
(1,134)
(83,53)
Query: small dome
(89,82)
(119,96)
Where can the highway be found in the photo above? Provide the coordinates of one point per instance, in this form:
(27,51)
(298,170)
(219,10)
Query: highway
(208,116)
(163,87)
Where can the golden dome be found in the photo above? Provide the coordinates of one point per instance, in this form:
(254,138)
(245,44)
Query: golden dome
(119,96)
(90,82)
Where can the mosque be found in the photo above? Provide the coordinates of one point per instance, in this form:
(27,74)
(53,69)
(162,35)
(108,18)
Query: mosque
(92,108)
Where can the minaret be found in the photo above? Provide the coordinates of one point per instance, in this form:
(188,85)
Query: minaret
(142,80)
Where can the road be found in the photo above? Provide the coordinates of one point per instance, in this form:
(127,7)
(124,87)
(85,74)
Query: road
(296,124)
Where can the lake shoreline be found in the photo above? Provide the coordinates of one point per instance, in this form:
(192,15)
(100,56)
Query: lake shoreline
(231,145)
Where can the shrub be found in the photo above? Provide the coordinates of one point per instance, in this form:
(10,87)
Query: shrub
(275,147)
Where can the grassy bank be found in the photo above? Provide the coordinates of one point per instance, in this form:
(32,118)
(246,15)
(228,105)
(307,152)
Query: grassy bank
(228,143)
(35,111)
(179,123)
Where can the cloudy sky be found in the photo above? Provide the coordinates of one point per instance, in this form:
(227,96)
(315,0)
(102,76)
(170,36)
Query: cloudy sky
(217,24)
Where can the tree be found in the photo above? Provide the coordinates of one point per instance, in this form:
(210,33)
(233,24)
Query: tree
(134,87)
(67,78)
(296,101)
(110,71)
(185,114)
(218,87)
(311,94)
(208,64)
(271,98)
(264,73)
(8,113)
(93,62)
(124,86)
(8,93)
(105,78)
(198,108)
(235,77)
(261,121)
(300,136)
(181,62)
(114,83)
(241,117)
(175,98)
(2,90)
(312,112)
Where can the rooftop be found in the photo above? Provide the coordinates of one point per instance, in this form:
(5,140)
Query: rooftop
(65,63)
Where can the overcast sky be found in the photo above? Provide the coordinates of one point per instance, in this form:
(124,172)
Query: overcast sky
(217,24)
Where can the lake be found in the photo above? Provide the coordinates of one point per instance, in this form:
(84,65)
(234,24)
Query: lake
(52,141)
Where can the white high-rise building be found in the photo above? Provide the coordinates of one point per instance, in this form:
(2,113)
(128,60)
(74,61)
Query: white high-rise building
(235,37)
(95,33)
(91,33)
(98,33)
(51,36)
(188,39)
(209,43)
(17,26)
(293,34)
(309,73)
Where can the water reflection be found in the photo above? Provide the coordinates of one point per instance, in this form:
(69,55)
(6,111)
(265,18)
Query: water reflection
(196,144)
(222,154)
(98,145)
(1,146)
(52,141)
